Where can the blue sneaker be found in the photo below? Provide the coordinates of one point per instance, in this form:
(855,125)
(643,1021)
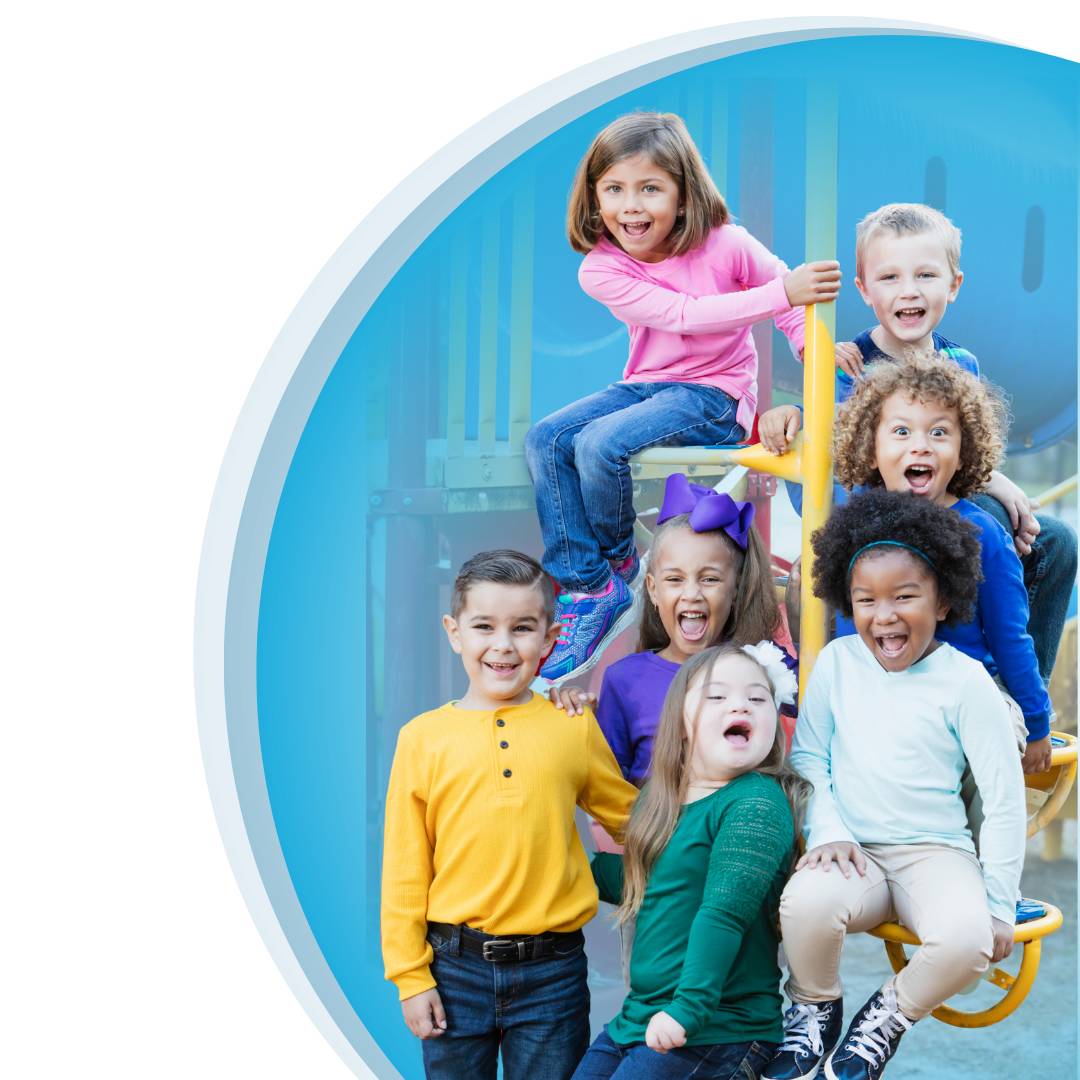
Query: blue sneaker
(811,1030)
(871,1040)
(589,625)
(1026,910)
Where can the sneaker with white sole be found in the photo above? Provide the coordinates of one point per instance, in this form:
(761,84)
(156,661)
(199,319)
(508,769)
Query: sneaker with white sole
(589,624)
(871,1040)
(811,1030)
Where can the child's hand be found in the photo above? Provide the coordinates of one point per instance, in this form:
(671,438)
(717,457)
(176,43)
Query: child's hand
(1020,508)
(424,1014)
(1037,756)
(573,700)
(813,283)
(664,1033)
(846,855)
(849,358)
(1003,940)
(777,427)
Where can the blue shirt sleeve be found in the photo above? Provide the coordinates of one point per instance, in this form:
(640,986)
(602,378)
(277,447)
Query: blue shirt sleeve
(1003,615)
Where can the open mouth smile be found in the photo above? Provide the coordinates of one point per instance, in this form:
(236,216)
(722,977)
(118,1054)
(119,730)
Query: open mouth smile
(635,230)
(738,733)
(919,478)
(501,669)
(910,316)
(693,624)
(891,645)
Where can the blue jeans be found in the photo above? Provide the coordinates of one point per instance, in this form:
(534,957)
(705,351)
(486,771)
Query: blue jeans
(577,458)
(1049,577)
(732,1061)
(536,1012)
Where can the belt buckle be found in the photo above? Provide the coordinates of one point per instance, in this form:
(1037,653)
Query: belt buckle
(497,950)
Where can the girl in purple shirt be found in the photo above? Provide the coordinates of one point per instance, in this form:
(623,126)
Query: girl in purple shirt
(708,582)
(662,254)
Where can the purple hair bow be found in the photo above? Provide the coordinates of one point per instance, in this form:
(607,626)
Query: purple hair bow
(707,509)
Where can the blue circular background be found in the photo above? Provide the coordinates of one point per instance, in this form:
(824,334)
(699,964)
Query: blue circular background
(410,458)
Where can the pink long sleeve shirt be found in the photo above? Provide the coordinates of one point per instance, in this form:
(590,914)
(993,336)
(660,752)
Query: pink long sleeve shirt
(689,316)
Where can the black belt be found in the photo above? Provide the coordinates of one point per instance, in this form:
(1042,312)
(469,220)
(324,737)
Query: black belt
(512,949)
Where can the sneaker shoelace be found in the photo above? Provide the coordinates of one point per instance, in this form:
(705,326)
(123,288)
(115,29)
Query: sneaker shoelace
(802,1030)
(871,1041)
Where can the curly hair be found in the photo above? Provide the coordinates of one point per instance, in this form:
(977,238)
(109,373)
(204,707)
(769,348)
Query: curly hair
(922,376)
(949,543)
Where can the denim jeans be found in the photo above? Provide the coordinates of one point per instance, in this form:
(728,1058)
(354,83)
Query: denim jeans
(536,1012)
(577,458)
(733,1061)
(1049,577)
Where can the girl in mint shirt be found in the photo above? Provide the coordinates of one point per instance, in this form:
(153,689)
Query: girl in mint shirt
(708,849)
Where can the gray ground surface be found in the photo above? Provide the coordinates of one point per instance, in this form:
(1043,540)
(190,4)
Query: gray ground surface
(1036,1043)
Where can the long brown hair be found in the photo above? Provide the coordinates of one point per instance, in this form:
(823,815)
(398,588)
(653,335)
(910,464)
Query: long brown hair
(755,614)
(663,138)
(657,810)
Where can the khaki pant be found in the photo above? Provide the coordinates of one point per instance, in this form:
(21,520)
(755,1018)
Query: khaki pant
(933,890)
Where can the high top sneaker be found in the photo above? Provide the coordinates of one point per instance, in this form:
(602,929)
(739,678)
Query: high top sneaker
(589,624)
(871,1040)
(811,1030)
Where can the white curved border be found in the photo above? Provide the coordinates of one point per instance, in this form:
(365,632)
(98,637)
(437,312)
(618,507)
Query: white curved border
(271,422)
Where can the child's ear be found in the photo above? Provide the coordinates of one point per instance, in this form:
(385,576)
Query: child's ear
(863,293)
(956,283)
(650,586)
(942,611)
(453,634)
(553,631)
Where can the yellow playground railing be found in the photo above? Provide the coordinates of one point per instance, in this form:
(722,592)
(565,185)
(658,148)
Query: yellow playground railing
(809,462)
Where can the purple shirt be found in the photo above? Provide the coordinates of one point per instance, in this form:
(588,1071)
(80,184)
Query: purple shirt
(631,698)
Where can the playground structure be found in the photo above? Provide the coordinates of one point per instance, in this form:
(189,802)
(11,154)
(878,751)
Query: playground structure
(496,363)
(809,462)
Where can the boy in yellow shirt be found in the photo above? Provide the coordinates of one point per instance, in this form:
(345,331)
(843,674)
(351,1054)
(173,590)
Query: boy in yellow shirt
(486,885)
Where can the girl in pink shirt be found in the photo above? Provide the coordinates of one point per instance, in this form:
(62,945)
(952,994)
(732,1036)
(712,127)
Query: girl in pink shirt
(662,254)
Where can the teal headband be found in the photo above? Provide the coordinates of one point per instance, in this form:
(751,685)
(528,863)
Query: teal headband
(890,543)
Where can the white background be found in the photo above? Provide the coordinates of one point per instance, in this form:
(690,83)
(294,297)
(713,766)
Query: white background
(174,178)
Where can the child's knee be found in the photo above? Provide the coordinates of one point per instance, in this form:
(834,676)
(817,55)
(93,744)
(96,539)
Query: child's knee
(961,946)
(812,898)
(596,453)
(540,439)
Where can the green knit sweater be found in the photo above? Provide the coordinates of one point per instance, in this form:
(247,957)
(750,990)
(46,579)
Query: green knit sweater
(705,943)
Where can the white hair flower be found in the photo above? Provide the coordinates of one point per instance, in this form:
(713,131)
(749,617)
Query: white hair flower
(785,686)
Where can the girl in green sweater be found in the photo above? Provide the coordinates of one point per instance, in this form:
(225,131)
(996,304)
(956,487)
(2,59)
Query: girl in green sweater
(708,850)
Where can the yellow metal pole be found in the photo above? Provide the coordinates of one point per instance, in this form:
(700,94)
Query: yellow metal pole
(1057,491)
(819,399)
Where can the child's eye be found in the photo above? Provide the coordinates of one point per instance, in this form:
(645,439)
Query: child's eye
(717,697)
(613,188)
(928,273)
(650,188)
(940,432)
(901,429)
(758,700)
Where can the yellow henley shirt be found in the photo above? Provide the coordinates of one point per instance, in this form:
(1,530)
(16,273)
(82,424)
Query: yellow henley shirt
(480,827)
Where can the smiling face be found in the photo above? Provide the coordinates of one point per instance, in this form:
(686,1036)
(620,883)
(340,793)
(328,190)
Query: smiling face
(908,282)
(691,580)
(917,447)
(639,203)
(895,606)
(730,720)
(501,634)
